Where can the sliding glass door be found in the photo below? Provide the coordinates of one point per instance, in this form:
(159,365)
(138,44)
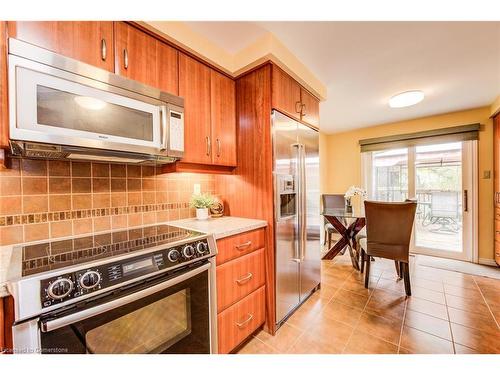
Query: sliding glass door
(440,177)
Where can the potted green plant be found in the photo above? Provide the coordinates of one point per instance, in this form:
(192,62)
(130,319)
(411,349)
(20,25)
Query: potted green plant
(202,203)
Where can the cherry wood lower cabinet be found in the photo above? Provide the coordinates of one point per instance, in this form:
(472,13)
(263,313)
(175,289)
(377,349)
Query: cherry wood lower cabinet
(239,277)
(238,322)
(241,287)
(6,322)
(235,246)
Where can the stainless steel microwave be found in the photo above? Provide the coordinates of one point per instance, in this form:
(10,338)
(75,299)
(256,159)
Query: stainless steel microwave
(61,108)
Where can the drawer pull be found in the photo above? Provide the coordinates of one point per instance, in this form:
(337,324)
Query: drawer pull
(243,245)
(243,280)
(245,322)
(497,231)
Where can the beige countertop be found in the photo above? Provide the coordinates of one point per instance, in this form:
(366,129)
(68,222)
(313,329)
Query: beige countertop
(222,226)
(5,254)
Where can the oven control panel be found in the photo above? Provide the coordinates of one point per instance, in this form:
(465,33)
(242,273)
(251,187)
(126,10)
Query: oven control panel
(87,280)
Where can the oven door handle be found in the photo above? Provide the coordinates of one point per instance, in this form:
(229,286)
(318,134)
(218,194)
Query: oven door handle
(51,325)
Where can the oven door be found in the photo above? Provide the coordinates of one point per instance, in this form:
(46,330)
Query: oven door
(50,105)
(169,314)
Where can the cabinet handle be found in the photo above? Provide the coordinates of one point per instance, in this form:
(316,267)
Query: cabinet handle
(209,145)
(466,201)
(497,231)
(245,322)
(125,58)
(303,110)
(104,49)
(245,279)
(298,107)
(218,147)
(243,245)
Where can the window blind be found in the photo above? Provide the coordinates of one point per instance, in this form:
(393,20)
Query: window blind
(445,135)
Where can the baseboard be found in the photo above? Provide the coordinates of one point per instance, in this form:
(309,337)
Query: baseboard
(487,262)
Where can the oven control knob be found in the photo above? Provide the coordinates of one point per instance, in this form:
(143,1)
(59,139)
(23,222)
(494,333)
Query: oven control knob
(188,251)
(90,279)
(201,248)
(173,255)
(60,288)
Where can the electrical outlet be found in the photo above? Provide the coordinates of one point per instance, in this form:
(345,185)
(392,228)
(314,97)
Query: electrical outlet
(197,189)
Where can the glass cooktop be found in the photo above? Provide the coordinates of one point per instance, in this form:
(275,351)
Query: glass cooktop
(56,254)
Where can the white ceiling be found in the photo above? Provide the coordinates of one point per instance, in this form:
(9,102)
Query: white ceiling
(456,64)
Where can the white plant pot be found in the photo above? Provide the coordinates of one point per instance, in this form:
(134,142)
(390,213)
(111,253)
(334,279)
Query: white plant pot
(202,214)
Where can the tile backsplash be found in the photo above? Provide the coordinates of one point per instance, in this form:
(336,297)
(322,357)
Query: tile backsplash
(42,199)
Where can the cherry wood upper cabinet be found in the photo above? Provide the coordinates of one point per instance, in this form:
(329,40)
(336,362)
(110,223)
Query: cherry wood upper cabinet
(135,54)
(4,115)
(285,93)
(168,68)
(223,119)
(309,108)
(143,58)
(87,41)
(194,87)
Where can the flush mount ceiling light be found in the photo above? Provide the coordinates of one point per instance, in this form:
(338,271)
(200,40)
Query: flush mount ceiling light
(406,99)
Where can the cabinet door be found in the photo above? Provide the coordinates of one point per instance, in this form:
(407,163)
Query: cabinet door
(223,119)
(167,68)
(4,115)
(135,54)
(496,152)
(310,108)
(194,87)
(87,41)
(285,93)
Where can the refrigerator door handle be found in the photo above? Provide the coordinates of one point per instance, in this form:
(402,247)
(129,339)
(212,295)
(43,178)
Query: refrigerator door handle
(298,249)
(303,201)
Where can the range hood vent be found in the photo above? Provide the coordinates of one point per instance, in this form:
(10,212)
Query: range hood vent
(58,152)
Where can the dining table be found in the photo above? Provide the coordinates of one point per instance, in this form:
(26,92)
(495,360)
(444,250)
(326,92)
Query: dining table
(348,223)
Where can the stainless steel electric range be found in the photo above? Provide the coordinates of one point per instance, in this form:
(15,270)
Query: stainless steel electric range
(142,290)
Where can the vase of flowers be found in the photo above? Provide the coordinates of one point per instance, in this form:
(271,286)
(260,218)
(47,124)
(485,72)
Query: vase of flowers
(202,203)
(350,193)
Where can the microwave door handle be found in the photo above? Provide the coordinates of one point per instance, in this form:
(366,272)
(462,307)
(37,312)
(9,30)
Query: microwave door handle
(164,127)
(64,321)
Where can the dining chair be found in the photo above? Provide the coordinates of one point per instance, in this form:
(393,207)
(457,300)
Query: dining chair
(388,230)
(331,201)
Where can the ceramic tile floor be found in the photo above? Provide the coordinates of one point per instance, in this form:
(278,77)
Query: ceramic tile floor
(448,312)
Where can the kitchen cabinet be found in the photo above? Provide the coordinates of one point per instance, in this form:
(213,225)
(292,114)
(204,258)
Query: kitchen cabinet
(143,58)
(88,41)
(210,114)
(194,87)
(4,114)
(241,284)
(238,322)
(6,322)
(309,110)
(292,99)
(496,159)
(285,93)
(223,119)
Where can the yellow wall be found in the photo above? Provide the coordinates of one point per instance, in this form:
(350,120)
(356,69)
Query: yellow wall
(341,160)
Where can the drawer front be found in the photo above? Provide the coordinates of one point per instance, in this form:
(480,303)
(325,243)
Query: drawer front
(236,323)
(239,277)
(239,245)
(497,230)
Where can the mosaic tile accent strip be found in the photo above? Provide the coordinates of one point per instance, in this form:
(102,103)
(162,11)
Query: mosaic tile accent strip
(90,213)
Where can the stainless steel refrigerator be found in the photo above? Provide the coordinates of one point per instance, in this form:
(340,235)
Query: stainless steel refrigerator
(297,213)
